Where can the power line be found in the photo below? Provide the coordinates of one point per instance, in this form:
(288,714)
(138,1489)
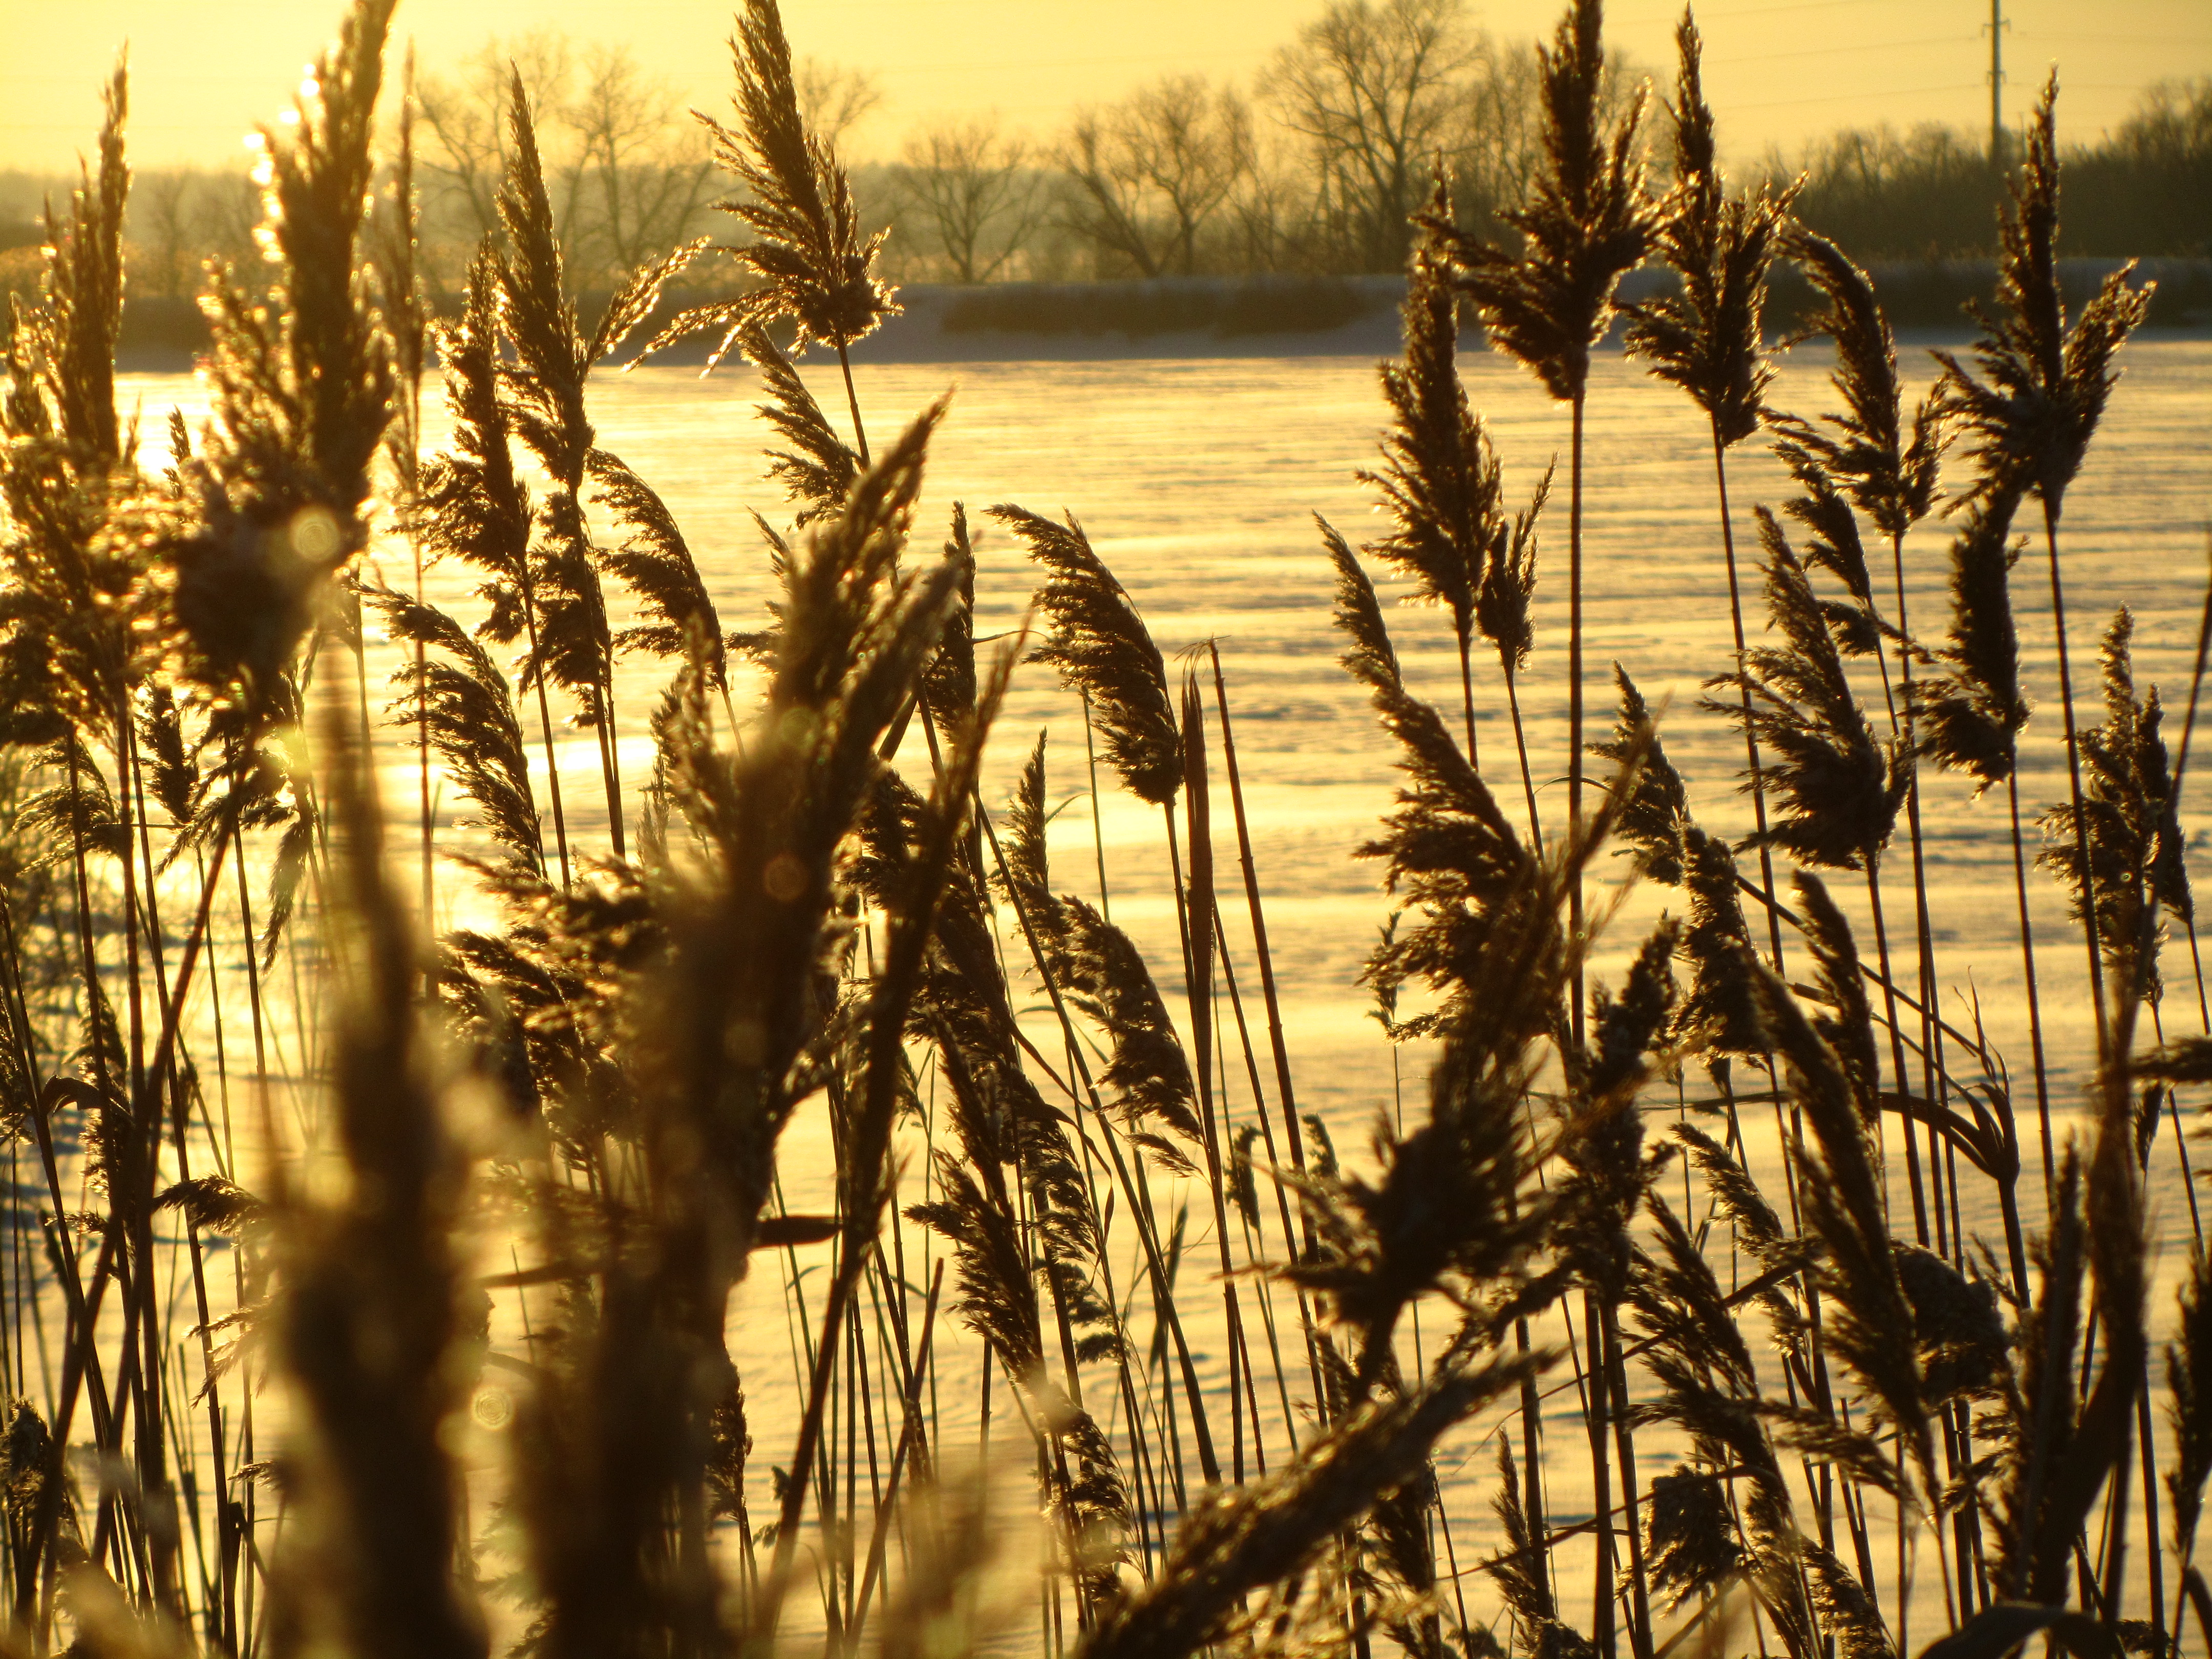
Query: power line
(1863,97)
(1832,52)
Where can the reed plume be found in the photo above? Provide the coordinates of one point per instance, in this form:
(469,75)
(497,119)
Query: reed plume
(2127,822)
(1709,338)
(657,566)
(1887,468)
(2039,395)
(2037,386)
(1102,649)
(1972,715)
(462,703)
(812,266)
(2188,1409)
(1262,1534)
(1441,482)
(1837,788)
(1841,1193)
(1448,851)
(818,468)
(1584,221)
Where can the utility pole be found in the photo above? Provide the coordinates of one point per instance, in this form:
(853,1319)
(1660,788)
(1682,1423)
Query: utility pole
(1996,28)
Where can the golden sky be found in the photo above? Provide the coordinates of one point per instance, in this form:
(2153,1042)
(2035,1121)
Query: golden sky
(1779,72)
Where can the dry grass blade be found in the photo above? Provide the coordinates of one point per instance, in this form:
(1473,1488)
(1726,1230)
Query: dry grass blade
(1264,1533)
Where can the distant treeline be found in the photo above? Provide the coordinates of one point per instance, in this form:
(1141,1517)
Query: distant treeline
(1313,170)
(2145,190)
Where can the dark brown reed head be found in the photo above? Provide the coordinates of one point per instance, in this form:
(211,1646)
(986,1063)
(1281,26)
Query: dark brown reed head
(2126,821)
(1509,582)
(2042,386)
(320,181)
(462,704)
(1263,1533)
(1448,850)
(818,468)
(811,264)
(1847,1023)
(1440,481)
(1654,811)
(1585,221)
(1867,452)
(655,564)
(1971,714)
(1835,789)
(2189,1404)
(79,622)
(83,296)
(1102,649)
(1709,338)
(1522,1572)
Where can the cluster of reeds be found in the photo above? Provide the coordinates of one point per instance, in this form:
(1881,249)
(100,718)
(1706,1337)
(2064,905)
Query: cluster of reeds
(411,1332)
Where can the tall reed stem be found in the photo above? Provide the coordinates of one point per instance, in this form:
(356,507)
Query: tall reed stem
(2073,778)
(1755,774)
(2034,996)
(1575,699)
(1897,1052)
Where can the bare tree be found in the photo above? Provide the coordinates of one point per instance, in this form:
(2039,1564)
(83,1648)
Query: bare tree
(467,158)
(1147,175)
(833,98)
(973,188)
(645,176)
(1494,154)
(163,231)
(1379,90)
(625,171)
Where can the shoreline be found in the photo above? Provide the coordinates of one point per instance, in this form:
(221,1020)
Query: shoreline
(1199,317)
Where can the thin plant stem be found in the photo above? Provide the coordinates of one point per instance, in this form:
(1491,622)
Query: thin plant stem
(1754,771)
(1575,732)
(2074,774)
(1897,1052)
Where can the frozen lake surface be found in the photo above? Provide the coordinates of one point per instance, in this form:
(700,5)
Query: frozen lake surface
(1198,481)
